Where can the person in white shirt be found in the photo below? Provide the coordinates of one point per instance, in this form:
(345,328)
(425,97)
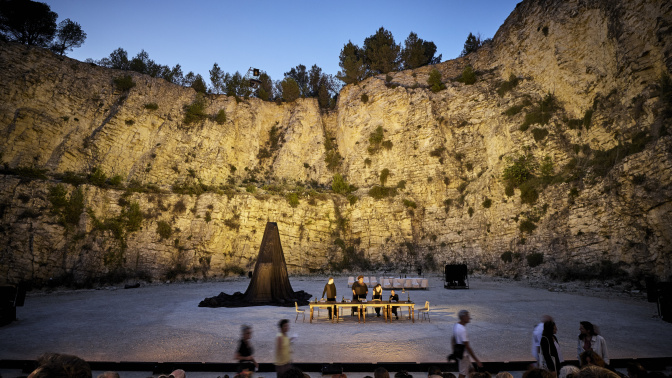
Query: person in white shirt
(590,340)
(460,337)
(536,336)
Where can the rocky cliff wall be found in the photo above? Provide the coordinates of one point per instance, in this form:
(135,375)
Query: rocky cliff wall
(192,199)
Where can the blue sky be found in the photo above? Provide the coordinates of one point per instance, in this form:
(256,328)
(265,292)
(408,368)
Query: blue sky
(270,35)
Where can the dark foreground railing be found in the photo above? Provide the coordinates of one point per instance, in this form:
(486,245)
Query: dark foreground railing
(27,366)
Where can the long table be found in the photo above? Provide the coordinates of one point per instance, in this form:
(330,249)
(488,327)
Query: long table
(361,314)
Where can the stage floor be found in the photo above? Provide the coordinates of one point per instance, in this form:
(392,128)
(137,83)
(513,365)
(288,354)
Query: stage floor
(162,323)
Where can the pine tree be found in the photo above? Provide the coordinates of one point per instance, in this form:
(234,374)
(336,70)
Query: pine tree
(472,44)
(301,77)
(381,53)
(199,84)
(290,89)
(351,61)
(413,54)
(69,35)
(217,79)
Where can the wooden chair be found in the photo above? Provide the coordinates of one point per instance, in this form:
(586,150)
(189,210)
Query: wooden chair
(351,280)
(424,312)
(424,284)
(386,283)
(299,311)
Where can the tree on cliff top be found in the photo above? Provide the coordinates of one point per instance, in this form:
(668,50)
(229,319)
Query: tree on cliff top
(302,79)
(351,61)
(472,44)
(33,23)
(290,89)
(27,22)
(69,35)
(418,52)
(381,53)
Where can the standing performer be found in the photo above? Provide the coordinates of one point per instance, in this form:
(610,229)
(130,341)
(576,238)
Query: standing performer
(377,294)
(549,359)
(536,337)
(359,290)
(330,290)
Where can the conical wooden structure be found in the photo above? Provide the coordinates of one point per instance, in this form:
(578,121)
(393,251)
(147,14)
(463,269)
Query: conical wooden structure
(270,281)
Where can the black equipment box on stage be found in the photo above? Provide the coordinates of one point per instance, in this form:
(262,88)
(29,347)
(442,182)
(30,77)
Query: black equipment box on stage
(664,290)
(456,276)
(10,297)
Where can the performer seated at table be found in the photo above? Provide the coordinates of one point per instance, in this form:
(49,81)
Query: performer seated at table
(330,290)
(394,298)
(359,291)
(377,294)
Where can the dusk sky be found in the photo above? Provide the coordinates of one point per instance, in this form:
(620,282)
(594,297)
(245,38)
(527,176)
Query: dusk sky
(270,35)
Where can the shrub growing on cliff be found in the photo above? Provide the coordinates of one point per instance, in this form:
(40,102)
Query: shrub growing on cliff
(116,181)
(98,177)
(528,192)
(340,186)
(507,86)
(375,139)
(541,113)
(164,230)
(535,259)
(220,118)
(332,157)
(379,192)
(124,83)
(410,204)
(539,134)
(292,199)
(435,81)
(527,225)
(587,118)
(468,76)
(151,106)
(195,112)
(507,256)
(67,209)
(384,174)
(233,222)
(521,169)
(364,98)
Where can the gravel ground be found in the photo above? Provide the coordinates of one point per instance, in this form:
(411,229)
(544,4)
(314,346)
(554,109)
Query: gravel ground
(162,322)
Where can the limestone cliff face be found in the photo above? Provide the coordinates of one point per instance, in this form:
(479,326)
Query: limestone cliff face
(204,191)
